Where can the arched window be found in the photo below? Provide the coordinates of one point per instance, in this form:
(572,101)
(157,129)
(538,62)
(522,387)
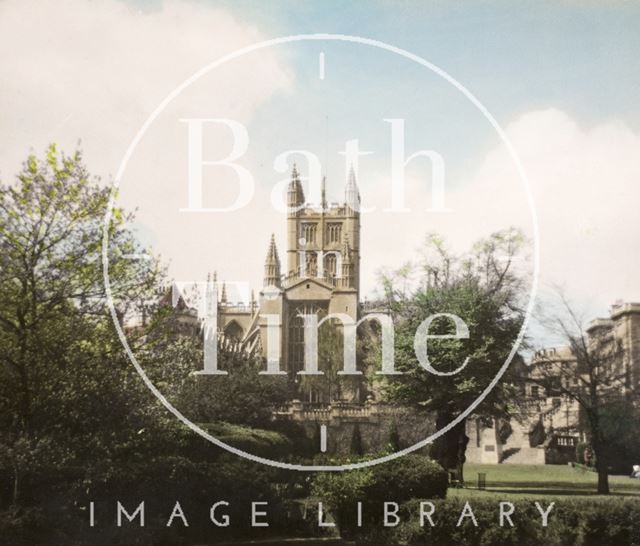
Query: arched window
(311,266)
(296,333)
(234,331)
(330,265)
(308,232)
(334,232)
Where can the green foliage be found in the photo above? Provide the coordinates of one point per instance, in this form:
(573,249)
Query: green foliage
(62,369)
(620,424)
(243,396)
(159,482)
(481,289)
(265,443)
(411,476)
(76,421)
(331,385)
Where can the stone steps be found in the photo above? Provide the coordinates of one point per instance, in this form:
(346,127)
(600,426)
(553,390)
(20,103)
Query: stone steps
(526,455)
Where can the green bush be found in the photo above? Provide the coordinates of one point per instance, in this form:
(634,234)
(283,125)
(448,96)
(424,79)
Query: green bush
(408,477)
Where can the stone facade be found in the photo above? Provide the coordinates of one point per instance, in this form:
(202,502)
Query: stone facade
(322,277)
(547,427)
(375,422)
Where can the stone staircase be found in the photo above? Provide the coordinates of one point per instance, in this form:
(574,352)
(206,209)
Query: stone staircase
(525,455)
(509,452)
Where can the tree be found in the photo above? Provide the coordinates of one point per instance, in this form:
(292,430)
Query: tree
(76,421)
(243,396)
(61,365)
(484,290)
(595,377)
(331,386)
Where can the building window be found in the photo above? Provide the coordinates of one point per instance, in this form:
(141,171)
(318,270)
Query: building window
(330,264)
(234,331)
(309,232)
(334,232)
(535,391)
(296,334)
(311,264)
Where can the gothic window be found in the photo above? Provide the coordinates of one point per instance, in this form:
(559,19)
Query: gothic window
(330,265)
(334,232)
(311,264)
(296,334)
(309,232)
(234,331)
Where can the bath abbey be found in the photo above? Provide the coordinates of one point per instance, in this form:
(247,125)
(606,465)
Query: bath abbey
(318,273)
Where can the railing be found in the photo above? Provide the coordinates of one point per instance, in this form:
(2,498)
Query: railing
(306,411)
(239,307)
(377,306)
(291,278)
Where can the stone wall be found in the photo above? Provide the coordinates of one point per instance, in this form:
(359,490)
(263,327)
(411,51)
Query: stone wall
(375,422)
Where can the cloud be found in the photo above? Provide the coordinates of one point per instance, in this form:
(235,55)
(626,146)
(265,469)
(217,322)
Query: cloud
(585,183)
(74,69)
(586,187)
(94,71)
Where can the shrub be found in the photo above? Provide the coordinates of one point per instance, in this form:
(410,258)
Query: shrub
(408,477)
(411,476)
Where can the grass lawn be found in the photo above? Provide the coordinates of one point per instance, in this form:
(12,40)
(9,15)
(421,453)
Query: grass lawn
(509,481)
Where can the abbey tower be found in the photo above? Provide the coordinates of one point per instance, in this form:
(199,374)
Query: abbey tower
(322,277)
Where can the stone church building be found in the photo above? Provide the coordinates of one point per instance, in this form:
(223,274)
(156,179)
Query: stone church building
(318,274)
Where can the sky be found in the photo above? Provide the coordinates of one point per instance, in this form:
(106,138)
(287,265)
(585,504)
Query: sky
(562,79)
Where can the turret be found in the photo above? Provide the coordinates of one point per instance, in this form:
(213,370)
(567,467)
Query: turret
(272,265)
(352,226)
(295,202)
(347,263)
(352,194)
(323,193)
(295,194)
(223,294)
